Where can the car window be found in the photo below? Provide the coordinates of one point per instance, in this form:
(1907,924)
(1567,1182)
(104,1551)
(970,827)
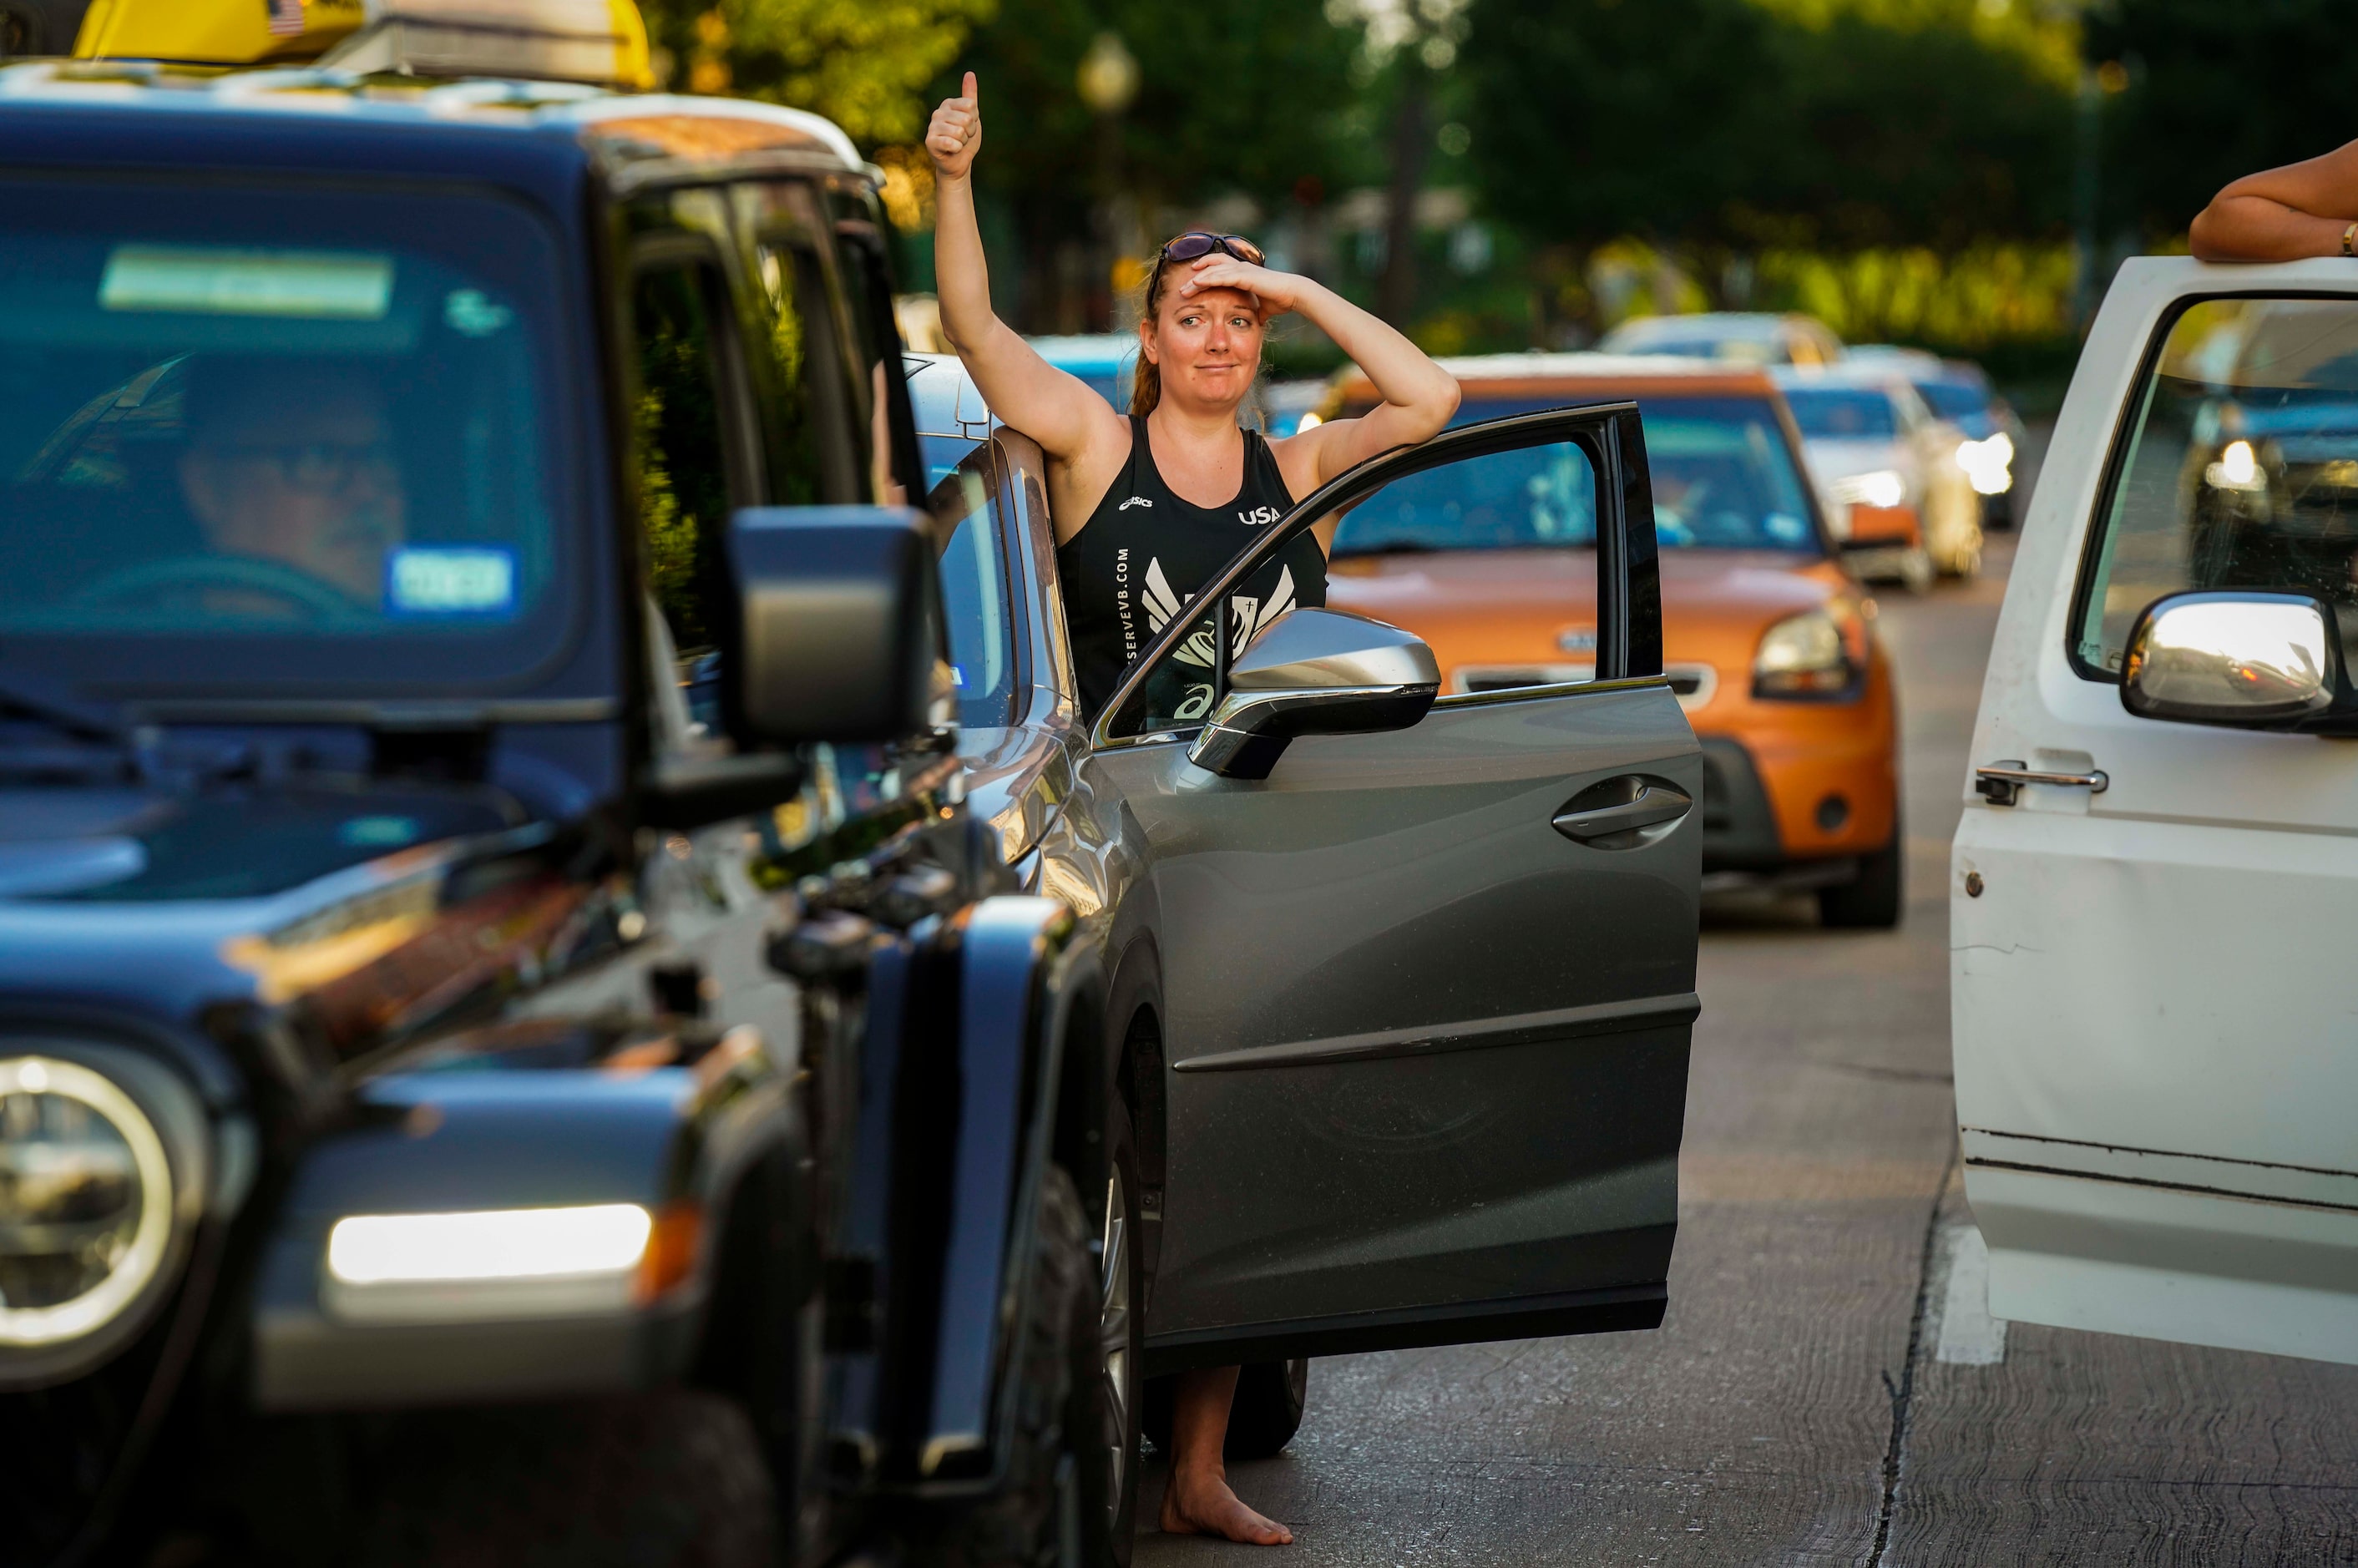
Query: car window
(2238,469)
(1952,399)
(1540,496)
(229,418)
(1724,478)
(818,448)
(944,454)
(977,597)
(1842,413)
(682,466)
(875,340)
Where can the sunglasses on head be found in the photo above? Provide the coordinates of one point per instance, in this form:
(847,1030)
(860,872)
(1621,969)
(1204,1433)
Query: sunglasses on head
(1195,243)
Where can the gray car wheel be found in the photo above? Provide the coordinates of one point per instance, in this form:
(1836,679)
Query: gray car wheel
(1121,1288)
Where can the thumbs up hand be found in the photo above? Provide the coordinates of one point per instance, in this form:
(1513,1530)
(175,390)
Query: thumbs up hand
(956,134)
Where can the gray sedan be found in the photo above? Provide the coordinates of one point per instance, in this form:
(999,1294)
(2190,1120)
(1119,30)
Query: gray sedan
(1399,985)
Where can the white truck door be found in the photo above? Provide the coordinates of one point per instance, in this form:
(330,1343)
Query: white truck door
(2155,925)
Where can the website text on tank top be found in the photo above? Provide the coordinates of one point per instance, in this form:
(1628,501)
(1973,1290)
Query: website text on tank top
(1146,551)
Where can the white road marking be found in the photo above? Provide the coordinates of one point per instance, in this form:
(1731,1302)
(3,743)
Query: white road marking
(1966,1336)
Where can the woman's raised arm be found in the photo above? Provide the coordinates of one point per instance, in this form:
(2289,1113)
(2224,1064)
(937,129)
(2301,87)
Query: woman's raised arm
(2282,214)
(1054,408)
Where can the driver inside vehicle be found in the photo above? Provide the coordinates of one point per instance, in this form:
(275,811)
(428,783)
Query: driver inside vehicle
(292,465)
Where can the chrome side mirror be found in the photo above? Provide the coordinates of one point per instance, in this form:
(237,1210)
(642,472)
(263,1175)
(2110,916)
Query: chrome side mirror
(2256,660)
(1314,672)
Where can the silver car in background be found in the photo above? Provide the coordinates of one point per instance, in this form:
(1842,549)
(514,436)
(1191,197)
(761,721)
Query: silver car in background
(1886,471)
(1400,984)
(1747,337)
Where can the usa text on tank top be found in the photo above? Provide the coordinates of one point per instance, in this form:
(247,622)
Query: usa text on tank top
(1145,552)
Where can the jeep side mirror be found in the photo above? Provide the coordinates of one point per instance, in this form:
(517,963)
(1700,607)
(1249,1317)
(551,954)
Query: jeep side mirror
(2262,661)
(839,625)
(1314,672)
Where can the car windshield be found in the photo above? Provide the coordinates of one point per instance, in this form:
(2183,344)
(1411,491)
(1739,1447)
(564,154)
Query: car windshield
(1954,399)
(1842,413)
(1724,478)
(265,438)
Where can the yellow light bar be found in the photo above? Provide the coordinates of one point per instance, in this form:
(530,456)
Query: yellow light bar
(600,43)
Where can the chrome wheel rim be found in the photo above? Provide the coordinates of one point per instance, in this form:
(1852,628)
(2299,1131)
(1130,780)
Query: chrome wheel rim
(1113,1342)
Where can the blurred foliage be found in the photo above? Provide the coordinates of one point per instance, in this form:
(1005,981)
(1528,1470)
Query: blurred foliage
(1234,96)
(1972,300)
(1788,124)
(2214,92)
(865,64)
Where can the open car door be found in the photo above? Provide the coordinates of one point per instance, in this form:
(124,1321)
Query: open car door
(1427,981)
(2151,891)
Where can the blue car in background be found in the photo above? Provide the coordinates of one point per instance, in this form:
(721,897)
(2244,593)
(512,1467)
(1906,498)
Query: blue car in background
(1106,360)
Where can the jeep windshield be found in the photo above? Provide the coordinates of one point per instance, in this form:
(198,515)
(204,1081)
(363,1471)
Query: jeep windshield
(257,443)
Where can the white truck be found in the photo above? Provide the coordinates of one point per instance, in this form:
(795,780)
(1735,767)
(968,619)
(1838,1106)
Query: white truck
(2155,997)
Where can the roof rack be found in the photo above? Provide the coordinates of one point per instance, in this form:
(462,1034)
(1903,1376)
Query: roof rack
(600,43)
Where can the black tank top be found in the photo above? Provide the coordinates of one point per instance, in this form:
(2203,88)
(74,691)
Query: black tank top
(1144,553)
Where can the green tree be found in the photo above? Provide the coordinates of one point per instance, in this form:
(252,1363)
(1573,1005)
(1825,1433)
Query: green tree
(2214,91)
(865,64)
(1728,122)
(1234,96)
(1597,118)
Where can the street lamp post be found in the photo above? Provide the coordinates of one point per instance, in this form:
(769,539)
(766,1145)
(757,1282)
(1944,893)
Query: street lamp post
(1107,81)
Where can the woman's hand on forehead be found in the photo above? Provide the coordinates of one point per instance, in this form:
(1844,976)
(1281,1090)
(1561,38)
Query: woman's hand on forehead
(1275,292)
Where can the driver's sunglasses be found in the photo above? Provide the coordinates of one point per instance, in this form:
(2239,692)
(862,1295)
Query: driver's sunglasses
(1194,242)
(322,467)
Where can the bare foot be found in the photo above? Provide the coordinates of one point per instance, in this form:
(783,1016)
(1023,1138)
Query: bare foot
(1202,1505)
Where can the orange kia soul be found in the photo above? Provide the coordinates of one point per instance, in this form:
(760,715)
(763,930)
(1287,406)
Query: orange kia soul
(1767,641)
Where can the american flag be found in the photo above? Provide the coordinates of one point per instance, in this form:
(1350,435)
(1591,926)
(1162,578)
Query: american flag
(285,17)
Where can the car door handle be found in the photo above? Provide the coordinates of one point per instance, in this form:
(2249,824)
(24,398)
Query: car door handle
(2000,783)
(1653,804)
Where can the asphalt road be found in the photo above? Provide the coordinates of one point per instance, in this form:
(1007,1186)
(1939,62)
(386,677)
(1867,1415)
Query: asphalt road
(1816,1395)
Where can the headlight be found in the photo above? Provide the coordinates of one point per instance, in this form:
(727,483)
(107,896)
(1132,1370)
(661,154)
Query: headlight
(1818,653)
(1988,464)
(1881,487)
(2238,467)
(85,1201)
(506,1263)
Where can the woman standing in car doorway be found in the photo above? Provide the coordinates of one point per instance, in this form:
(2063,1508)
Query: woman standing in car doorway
(1148,507)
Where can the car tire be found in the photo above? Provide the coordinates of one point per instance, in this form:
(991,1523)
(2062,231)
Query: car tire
(673,1478)
(1109,1493)
(1915,572)
(1028,1520)
(1271,1398)
(1874,899)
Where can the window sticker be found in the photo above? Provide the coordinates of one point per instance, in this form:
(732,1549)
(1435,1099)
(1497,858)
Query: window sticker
(378,832)
(205,281)
(451,579)
(471,313)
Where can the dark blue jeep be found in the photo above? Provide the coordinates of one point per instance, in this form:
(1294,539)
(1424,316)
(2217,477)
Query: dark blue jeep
(509,1047)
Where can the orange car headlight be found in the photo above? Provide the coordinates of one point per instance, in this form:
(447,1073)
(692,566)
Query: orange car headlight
(1819,654)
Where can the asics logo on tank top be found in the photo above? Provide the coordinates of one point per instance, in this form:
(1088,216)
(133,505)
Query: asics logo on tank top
(1133,500)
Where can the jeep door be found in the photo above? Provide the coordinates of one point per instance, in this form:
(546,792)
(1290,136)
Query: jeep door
(2150,946)
(1424,1053)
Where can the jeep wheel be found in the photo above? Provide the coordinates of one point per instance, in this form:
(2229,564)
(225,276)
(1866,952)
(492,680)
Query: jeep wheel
(1029,1521)
(1271,1398)
(672,1477)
